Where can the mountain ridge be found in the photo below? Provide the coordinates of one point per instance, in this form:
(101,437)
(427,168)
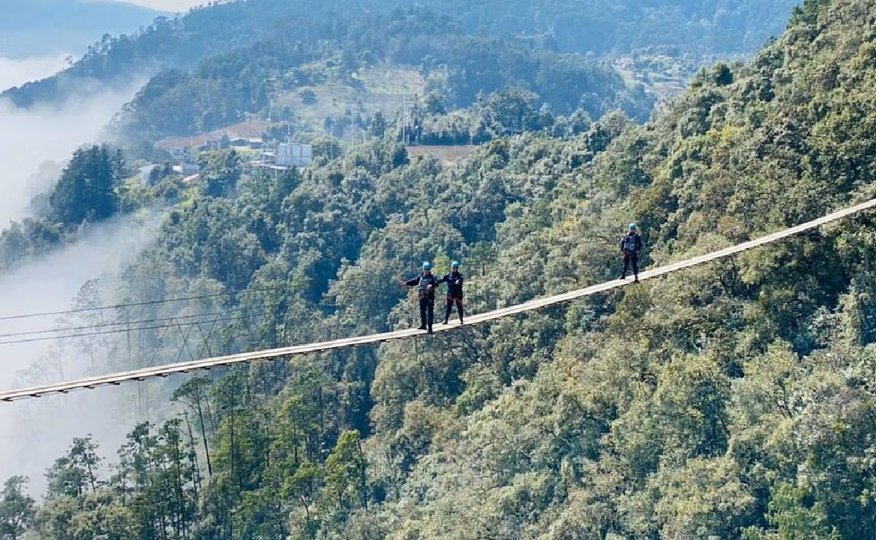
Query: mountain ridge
(594,26)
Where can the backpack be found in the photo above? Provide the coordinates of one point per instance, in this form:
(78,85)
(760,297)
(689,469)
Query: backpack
(427,286)
(629,243)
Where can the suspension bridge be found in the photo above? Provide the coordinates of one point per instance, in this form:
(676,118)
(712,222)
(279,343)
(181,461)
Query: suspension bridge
(115,379)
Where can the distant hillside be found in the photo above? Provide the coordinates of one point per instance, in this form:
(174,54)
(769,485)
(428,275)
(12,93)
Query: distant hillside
(625,26)
(331,64)
(718,27)
(44,27)
(735,400)
(180,42)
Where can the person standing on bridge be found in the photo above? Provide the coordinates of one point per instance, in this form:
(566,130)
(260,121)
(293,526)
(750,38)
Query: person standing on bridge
(453,279)
(631,247)
(426,284)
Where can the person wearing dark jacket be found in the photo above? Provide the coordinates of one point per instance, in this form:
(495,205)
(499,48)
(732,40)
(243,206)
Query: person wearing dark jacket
(631,247)
(453,279)
(426,284)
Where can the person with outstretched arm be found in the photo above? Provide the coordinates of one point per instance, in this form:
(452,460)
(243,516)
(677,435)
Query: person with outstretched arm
(454,280)
(631,247)
(426,284)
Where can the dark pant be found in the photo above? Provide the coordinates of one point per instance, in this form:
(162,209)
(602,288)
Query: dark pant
(450,301)
(427,312)
(631,258)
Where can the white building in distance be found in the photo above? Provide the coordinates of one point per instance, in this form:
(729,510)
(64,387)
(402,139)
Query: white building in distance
(293,155)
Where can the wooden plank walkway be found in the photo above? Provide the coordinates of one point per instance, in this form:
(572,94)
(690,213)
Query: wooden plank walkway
(209,363)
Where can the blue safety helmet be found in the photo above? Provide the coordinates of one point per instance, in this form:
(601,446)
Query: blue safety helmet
(427,266)
(454,264)
(632,226)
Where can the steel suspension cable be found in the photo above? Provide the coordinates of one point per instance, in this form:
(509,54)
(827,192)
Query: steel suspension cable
(532,305)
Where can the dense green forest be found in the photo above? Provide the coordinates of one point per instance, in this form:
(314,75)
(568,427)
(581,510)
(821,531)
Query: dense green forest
(604,26)
(458,68)
(571,26)
(734,400)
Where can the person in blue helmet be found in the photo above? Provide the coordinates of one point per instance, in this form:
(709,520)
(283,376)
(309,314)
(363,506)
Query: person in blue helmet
(453,279)
(631,247)
(426,284)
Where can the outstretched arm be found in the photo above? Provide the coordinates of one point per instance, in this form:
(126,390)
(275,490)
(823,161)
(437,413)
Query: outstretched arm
(410,282)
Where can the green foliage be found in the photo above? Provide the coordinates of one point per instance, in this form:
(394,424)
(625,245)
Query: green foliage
(220,172)
(17,509)
(507,112)
(574,26)
(76,473)
(30,237)
(345,473)
(735,399)
(225,87)
(807,13)
(86,190)
(794,515)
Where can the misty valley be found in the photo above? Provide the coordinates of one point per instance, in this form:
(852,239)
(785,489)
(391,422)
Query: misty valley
(185,181)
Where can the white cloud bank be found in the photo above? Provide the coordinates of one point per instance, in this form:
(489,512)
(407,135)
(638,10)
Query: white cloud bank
(34,433)
(30,139)
(15,72)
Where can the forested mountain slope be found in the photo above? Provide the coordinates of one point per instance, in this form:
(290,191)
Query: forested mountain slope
(731,401)
(602,26)
(457,69)
(724,27)
(179,41)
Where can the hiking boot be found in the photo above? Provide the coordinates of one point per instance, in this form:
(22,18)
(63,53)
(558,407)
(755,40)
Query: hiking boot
(429,331)
(622,277)
(636,279)
(421,327)
(445,321)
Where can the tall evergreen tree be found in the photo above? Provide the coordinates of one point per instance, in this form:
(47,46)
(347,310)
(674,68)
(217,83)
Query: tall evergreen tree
(86,191)
(17,509)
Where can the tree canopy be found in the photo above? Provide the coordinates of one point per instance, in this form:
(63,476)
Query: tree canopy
(734,400)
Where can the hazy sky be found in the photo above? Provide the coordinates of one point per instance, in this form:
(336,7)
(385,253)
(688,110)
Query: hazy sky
(168,5)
